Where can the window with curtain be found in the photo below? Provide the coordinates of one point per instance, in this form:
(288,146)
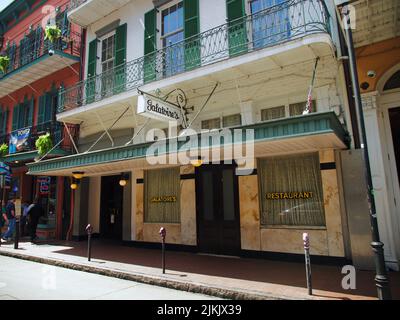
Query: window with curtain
(232,120)
(226,121)
(273,113)
(211,124)
(291,191)
(297,109)
(162,195)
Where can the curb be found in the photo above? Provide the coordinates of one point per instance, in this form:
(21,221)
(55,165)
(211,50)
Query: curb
(225,293)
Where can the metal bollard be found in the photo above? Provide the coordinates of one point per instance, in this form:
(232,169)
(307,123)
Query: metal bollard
(163,234)
(306,241)
(89,230)
(16,242)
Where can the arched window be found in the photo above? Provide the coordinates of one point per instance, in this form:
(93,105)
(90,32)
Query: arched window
(393,82)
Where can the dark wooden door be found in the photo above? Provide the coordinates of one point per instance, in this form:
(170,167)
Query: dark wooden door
(111,208)
(218,222)
(394,115)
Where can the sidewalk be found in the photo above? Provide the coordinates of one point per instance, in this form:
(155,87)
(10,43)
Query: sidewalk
(230,278)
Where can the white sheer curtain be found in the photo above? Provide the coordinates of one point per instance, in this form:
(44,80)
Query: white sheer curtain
(291,188)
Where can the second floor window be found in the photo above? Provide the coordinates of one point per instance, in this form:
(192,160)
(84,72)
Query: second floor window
(273,26)
(172,32)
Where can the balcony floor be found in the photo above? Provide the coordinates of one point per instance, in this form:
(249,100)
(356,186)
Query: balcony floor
(35,70)
(256,76)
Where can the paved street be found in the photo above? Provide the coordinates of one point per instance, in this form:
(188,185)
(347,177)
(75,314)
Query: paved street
(24,280)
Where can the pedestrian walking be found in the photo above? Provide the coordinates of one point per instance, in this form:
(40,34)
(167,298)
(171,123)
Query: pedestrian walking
(10,218)
(35,211)
(24,218)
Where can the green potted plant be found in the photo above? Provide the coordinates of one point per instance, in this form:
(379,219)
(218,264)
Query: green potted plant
(53,33)
(4,63)
(44,144)
(3,150)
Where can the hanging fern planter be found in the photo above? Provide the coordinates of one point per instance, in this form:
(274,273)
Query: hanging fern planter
(53,33)
(44,144)
(3,150)
(4,63)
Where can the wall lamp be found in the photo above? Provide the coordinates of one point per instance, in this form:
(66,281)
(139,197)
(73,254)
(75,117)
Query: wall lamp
(124,179)
(78,175)
(196,162)
(75,184)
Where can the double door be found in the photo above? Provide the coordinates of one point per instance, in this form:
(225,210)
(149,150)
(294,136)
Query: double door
(218,223)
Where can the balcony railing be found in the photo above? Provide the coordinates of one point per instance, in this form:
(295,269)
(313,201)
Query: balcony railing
(58,134)
(35,46)
(281,23)
(75,4)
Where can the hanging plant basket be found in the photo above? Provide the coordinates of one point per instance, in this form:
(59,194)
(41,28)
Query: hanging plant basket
(44,144)
(3,150)
(4,63)
(53,33)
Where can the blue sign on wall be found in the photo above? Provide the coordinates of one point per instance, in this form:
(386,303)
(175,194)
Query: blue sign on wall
(19,140)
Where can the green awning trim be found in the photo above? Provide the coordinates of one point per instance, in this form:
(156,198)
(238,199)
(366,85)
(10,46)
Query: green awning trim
(299,126)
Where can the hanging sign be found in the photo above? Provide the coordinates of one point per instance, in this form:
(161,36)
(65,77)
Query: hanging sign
(4,169)
(19,140)
(158,109)
(44,185)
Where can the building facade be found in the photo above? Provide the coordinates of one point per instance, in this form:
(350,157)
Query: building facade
(226,66)
(33,68)
(377,43)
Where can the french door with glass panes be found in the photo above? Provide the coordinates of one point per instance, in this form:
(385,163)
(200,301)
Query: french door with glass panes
(270,22)
(172,36)
(105,65)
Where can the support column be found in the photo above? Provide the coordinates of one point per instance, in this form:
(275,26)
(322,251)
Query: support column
(81,205)
(127,209)
(248,113)
(60,205)
(380,172)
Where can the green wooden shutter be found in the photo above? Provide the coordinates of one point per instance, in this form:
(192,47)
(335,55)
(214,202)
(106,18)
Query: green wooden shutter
(120,58)
(92,63)
(42,109)
(15,118)
(1,120)
(237,34)
(49,108)
(31,107)
(38,43)
(150,46)
(192,43)
(5,120)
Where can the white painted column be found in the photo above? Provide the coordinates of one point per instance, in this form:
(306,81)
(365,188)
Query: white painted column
(379,171)
(248,113)
(133,205)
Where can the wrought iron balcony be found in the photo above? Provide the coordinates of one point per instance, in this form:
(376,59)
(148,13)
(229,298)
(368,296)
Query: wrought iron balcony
(36,47)
(75,4)
(284,22)
(58,133)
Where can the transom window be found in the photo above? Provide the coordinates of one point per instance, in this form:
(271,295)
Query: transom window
(226,121)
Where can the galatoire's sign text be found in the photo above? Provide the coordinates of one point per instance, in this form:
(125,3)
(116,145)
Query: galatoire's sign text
(163,199)
(158,109)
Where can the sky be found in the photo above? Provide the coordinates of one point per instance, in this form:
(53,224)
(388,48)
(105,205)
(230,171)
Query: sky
(4,3)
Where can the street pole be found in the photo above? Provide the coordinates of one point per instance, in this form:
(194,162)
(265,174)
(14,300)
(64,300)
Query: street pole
(163,234)
(381,278)
(306,243)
